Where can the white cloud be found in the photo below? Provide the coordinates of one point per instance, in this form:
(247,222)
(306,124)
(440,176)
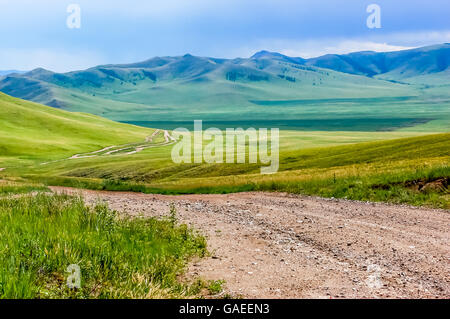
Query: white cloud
(343,48)
(54,60)
(310,48)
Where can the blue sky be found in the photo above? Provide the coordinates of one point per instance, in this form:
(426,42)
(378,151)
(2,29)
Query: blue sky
(34,33)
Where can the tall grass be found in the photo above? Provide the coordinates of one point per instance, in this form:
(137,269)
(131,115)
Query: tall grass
(12,187)
(119,257)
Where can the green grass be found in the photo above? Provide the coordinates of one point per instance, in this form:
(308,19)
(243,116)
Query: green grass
(20,186)
(119,257)
(380,183)
(30,132)
(20,189)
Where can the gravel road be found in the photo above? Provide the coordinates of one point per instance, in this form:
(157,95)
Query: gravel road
(274,245)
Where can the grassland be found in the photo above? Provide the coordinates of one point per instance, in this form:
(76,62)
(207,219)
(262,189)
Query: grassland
(119,258)
(30,132)
(33,134)
(19,186)
(412,170)
(401,166)
(342,136)
(42,233)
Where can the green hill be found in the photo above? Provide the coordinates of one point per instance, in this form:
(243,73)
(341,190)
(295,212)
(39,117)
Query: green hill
(363,91)
(399,65)
(30,131)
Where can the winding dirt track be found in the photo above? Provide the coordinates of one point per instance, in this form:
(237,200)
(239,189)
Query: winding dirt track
(272,245)
(113,150)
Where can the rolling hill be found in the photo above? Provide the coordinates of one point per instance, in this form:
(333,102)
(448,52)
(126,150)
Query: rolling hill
(400,65)
(269,87)
(30,131)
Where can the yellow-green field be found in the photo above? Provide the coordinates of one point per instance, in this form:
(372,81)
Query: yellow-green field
(399,166)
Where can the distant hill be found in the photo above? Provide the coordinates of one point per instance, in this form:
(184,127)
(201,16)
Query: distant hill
(267,85)
(399,65)
(6,72)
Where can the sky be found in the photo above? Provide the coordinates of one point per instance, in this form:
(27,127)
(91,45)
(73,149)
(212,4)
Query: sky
(34,33)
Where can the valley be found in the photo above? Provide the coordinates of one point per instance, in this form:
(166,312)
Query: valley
(344,91)
(362,185)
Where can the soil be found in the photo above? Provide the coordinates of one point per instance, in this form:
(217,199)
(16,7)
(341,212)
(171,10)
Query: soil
(275,245)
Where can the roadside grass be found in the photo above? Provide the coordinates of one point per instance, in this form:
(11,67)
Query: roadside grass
(119,257)
(394,183)
(397,186)
(20,187)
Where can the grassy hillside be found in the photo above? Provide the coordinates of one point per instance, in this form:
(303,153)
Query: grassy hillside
(34,132)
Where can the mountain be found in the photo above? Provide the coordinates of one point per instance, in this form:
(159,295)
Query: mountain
(276,56)
(266,86)
(32,131)
(201,84)
(399,65)
(7,72)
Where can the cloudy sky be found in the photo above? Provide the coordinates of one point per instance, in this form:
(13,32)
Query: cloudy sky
(34,33)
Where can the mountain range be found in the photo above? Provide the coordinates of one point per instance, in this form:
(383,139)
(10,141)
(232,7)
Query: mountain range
(411,84)
(8,72)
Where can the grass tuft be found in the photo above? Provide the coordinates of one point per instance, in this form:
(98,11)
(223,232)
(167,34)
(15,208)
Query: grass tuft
(119,257)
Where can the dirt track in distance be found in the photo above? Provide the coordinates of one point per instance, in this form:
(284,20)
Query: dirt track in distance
(273,245)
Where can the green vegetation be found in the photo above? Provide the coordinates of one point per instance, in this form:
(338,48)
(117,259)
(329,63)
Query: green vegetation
(411,170)
(31,132)
(119,257)
(13,187)
(396,166)
(216,286)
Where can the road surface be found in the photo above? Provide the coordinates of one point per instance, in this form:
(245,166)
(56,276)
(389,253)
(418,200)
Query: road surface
(273,245)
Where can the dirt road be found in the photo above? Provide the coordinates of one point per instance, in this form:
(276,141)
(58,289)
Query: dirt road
(118,149)
(272,245)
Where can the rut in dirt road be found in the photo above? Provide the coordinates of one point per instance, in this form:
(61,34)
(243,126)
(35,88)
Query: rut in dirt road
(271,245)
